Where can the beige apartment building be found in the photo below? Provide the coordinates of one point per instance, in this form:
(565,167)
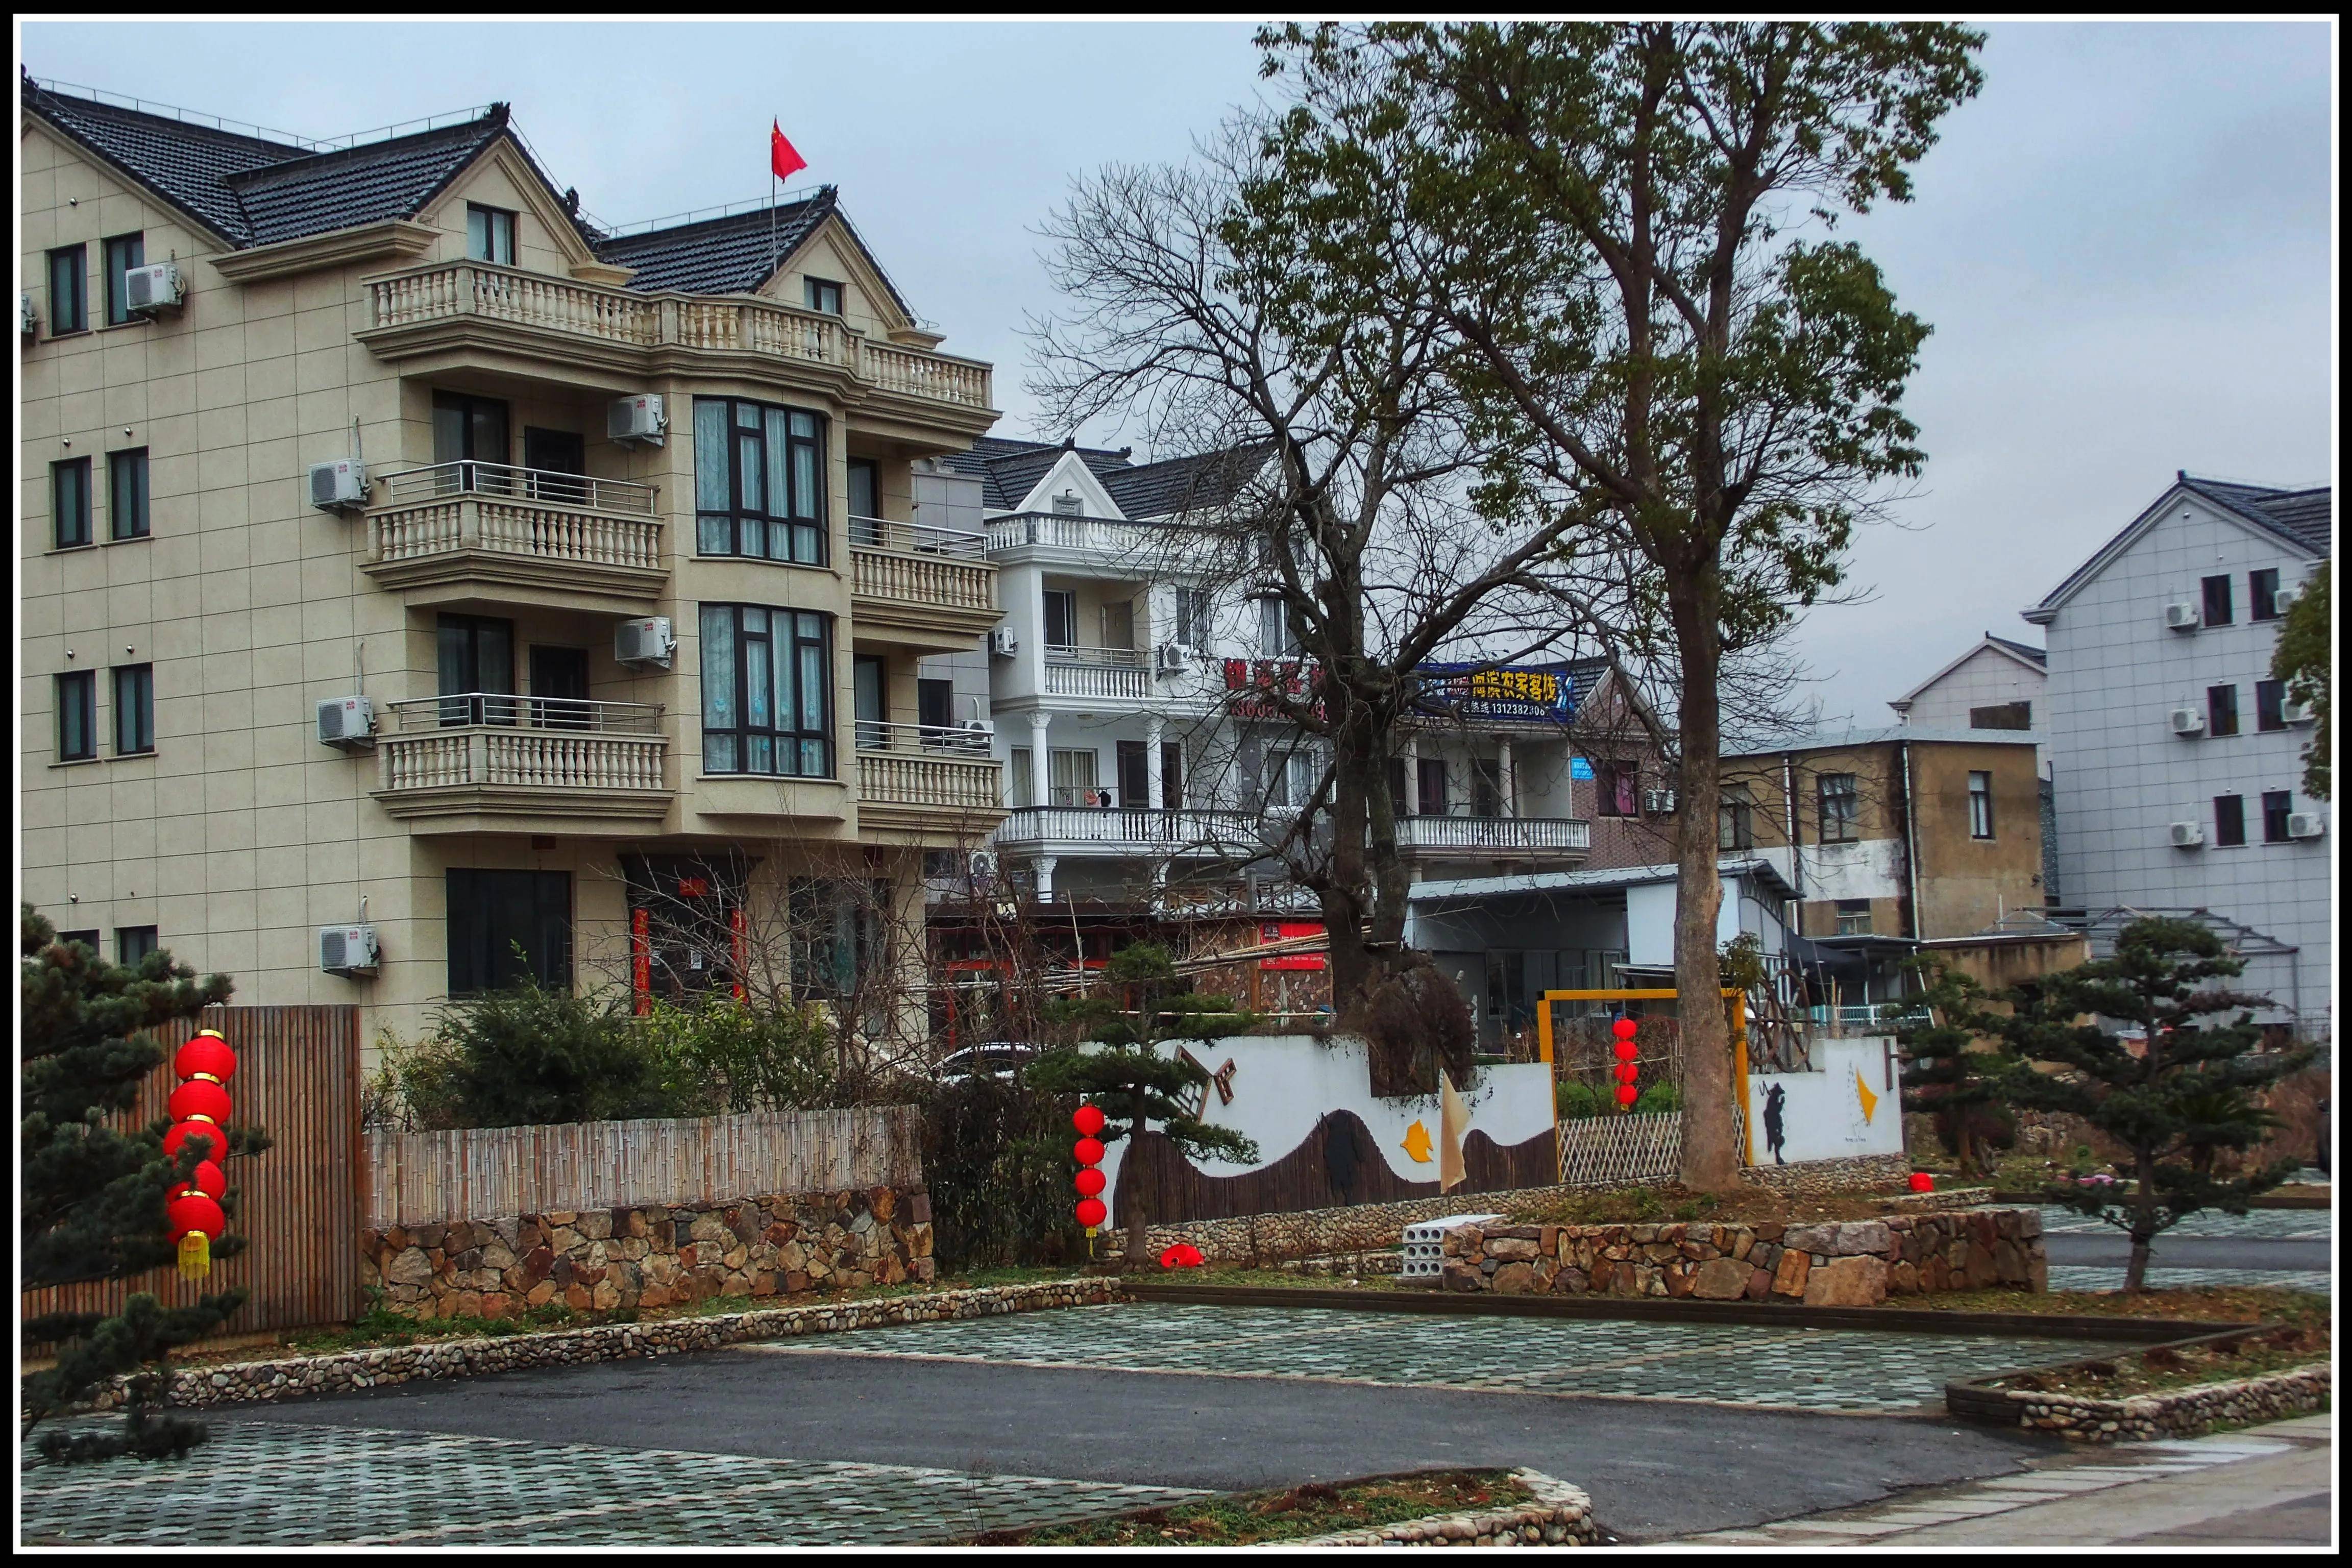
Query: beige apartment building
(712,446)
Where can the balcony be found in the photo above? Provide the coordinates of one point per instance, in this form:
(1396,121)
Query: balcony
(918,585)
(1493,837)
(483,761)
(1118,673)
(618,338)
(455,531)
(925,779)
(1083,830)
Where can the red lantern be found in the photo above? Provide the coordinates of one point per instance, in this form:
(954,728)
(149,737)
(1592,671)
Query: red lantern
(1627,1072)
(1622,1028)
(1091,1211)
(1625,1095)
(199,1097)
(187,1129)
(210,1180)
(195,1222)
(1086,1152)
(1921,1181)
(1090,1182)
(205,1055)
(1087,1121)
(1626,1050)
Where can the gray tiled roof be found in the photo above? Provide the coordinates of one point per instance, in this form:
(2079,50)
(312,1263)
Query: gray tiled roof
(2023,649)
(1010,470)
(187,165)
(2307,517)
(719,256)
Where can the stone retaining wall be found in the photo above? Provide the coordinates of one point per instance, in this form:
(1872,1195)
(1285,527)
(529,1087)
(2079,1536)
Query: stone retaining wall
(291,1377)
(1560,1515)
(1849,1263)
(604,1259)
(1813,1177)
(2144,1418)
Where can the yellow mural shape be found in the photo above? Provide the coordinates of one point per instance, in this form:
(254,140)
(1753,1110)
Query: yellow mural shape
(1416,1143)
(1862,1092)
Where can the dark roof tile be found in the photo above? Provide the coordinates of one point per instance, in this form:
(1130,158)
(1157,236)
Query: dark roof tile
(730,255)
(1184,484)
(188,165)
(358,185)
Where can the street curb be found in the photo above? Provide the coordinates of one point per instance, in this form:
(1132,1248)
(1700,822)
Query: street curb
(2140,1418)
(1562,1515)
(345,1372)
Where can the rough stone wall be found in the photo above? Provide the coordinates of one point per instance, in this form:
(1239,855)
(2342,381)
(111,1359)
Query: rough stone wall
(1560,1515)
(2180,1413)
(604,1259)
(1850,1263)
(1812,1178)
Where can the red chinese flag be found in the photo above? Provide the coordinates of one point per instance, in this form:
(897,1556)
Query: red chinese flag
(781,155)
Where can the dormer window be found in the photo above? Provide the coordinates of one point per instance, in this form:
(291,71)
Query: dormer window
(822,296)
(1067,504)
(490,235)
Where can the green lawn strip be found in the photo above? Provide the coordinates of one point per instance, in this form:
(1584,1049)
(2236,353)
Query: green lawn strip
(1297,1513)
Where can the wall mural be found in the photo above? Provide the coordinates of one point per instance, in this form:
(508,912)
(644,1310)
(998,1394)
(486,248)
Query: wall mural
(1845,1107)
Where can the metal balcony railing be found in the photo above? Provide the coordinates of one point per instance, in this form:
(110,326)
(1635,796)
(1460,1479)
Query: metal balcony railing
(917,538)
(1494,835)
(434,482)
(923,740)
(506,709)
(912,563)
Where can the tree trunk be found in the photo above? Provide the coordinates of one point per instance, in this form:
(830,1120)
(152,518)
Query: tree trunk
(2143,1227)
(1710,1156)
(1368,883)
(1138,1223)
(1966,1144)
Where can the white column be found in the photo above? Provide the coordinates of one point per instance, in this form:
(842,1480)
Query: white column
(1045,879)
(1508,776)
(1154,772)
(1412,774)
(1039,759)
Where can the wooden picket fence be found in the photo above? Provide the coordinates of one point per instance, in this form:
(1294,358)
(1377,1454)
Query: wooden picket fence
(427,1178)
(1610,1150)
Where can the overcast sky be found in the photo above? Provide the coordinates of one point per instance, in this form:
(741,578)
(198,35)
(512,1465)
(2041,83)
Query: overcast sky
(2123,243)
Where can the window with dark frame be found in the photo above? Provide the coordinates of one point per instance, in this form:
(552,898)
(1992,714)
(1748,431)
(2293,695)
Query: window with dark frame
(1735,818)
(2228,820)
(1278,632)
(2002,716)
(2222,709)
(89,939)
(2262,594)
(1171,775)
(134,709)
(766,691)
(1854,917)
(123,252)
(2217,601)
(1430,786)
(77,716)
(493,913)
(68,290)
(2276,805)
(126,494)
(2270,705)
(70,502)
(934,706)
(865,502)
(1192,616)
(490,235)
(822,295)
(133,944)
(1981,806)
(1061,608)
(1618,786)
(836,935)
(1840,808)
(759,480)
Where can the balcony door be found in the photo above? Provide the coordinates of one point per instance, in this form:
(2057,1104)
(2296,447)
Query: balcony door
(1072,778)
(472,434)
(1061,618)
(558,462)
(476,668)
(873,703)
(864,501)
(1135,773)
(558,688)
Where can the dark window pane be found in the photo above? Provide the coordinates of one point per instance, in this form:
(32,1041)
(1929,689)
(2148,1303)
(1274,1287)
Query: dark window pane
(126,494)
(69,501)
(2002,716)
(2222,709)
(2262,594)
(69,311)
(89,939)
(2276,803)
(491,914)
(864,488)
(2217,601)
(134,709)
(123,253)
(76,715)
(133,944)
(2229,819)
(2270,704)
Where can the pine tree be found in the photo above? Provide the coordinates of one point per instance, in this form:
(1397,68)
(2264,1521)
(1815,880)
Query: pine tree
(2183,1089)
(1130,1081)
(1945,1073)
(92,1193)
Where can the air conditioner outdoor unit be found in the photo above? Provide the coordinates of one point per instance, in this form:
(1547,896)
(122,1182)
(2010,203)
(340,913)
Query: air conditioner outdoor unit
(2305,824)
(976,725)
(1175,658)
(635,420)
(155,287)
(1002,642)
(28,319)
(348,950)
(2281,601)
(339,486)
(2181,618)
(2293,712)
(2187,834)
(2188,721)
(643,643)
(1658,802)
(347,722)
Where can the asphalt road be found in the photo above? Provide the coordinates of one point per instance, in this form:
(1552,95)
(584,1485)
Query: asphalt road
(2095,1248)
(1655,1469)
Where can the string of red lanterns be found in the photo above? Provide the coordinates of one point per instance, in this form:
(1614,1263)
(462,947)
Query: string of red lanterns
(1626,1072)
(199,1108)
(1088,1153)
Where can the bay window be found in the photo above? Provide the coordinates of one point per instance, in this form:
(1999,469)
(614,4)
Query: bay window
(759,480)
(766,691)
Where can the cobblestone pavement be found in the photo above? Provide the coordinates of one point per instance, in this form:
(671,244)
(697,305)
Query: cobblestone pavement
(258,1485)
(2088,1278)
(2270,1225)
(1843,1369)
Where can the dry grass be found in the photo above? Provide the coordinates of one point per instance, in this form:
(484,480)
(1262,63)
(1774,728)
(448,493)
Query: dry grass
(2299,1336)
(1318,1508)
(1670,1203)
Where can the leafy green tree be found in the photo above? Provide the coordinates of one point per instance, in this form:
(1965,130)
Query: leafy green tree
(1130,1081)
(1710,398)
(2305,661)
(92,1193)
(1946,1073)
(723,1056)
(531,1054)
(2181,1090)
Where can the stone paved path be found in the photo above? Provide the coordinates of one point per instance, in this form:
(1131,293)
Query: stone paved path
(258,1485)
(2088,1278)
(2269,1225)
(1844,1370)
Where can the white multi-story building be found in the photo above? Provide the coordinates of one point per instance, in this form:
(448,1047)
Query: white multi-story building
(1118,684)
(2178,758)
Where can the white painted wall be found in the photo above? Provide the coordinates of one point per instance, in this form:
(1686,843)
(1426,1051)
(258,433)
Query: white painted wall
(1283,1084)
(1650,921)
(1824,1113)
(1986,679)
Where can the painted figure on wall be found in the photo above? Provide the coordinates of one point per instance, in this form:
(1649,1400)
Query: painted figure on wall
(1775,1131)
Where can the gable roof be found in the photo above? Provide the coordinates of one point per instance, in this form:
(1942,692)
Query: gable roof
(362,184)
(1009,469)
(2304,520)
(722,255)
(2037,656)
(2026,654)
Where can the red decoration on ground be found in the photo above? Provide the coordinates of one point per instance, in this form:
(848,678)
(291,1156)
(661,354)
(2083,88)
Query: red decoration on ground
(1183,1255)
(205,1055)
(180,1134)
(1625,1095)
(1622,1028)
(1089,1183)
(1088,1120)
(1921,1181)
(1091,1211)
(1086,1152)
(199,1097)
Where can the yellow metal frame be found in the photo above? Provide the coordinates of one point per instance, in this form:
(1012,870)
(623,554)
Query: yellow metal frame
(1736,996)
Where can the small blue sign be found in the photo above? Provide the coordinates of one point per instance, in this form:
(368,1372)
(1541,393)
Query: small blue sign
(1579,768)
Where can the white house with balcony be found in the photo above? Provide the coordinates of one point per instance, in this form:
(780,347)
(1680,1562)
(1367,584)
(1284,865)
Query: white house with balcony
(1120,684)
